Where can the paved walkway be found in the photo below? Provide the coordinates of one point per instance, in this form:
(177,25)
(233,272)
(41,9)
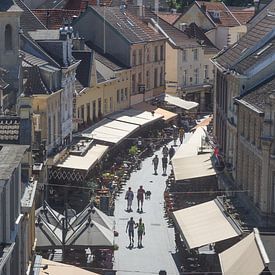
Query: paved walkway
(159,244)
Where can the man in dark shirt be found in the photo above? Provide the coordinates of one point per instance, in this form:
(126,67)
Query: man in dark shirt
(130,229)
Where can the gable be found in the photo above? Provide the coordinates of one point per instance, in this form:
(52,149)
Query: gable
(195,15)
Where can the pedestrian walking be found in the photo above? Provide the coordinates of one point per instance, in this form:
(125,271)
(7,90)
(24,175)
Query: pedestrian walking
(181,135)
(175,135)
(171,152)
(165,151)
(164,164)
(129,196)
(141,231)
(130,229)
(155,163)
(140,198)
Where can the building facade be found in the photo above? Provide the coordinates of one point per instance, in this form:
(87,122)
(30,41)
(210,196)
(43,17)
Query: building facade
(138,47)
(244,112)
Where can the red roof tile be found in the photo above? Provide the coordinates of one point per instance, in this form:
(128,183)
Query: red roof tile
(169,17)
(82,4)
(54,18)
(225,19)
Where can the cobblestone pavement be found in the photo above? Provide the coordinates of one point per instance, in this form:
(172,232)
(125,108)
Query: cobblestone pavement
(158,242)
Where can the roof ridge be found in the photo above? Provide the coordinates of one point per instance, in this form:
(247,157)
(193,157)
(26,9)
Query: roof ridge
(231,14)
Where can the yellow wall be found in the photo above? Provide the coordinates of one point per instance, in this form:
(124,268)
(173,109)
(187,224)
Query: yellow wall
(107,92)
(171,66)
(48,106)
(195,15)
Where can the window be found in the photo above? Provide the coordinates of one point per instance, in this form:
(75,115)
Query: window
(156,53)
(134,84)
(121,95)
(195,52)
(196,75)
(205,71)
(148,80)
(161,77)
(148,55)
(161,52)
(99,107)
(140,57)
(184,55)
(184,78)
(139,78)
(49,131)
(105,105)
(94,109)
(156,78)
(126,93)
(8,38)
(117,96)
(134,61)
(82,112)
(111,104)
(88,111)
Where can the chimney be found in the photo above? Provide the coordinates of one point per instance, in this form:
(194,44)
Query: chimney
(203,7)
(140,8)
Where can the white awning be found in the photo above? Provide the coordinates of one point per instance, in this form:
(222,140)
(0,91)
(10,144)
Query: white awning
(93,234)
(139,117)
(167,115)
(193,167)
(203,224)
(184,104)
(87,161)
(110,131)
(191,147)
(56,268)
(248,256)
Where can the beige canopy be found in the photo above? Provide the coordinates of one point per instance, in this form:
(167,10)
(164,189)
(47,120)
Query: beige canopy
(184,104)
(203,224)
(248,256)
(193,167)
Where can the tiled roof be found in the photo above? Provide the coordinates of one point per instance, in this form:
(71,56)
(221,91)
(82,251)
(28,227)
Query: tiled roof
(11,156)
(8,5)
(54,18)
(225,19)
(196,32)
(105,58)
(179,38)
(53,4)
(84,68)
(82,4)
(243,14)
(34,83)
(32,60)
(9,130)
(169,17)
(257,97)
(249,45)
(128,25)
(28,21)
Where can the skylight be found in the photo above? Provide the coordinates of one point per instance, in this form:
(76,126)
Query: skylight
(264,49)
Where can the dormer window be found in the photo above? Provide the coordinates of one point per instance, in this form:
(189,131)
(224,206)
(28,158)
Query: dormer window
(8,38)
(215,14)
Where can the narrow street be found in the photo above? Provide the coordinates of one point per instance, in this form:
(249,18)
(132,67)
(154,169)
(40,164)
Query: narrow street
(158,242)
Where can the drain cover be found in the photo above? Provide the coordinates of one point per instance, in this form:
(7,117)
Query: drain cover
(155,224)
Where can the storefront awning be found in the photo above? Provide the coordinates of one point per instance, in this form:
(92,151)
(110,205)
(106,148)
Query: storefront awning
(111,131)
(203,224)
(56,268)
(191,147)
(143,106)
(193,167)
(184,104)
(206,121)
(248,256)
(87,161)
